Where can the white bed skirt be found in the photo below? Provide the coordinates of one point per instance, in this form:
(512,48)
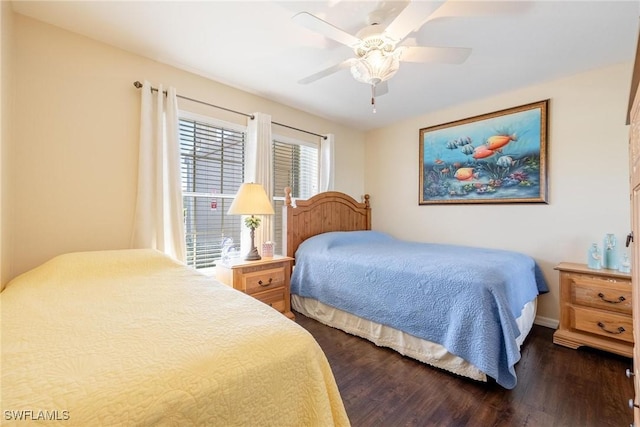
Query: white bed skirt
(384,336)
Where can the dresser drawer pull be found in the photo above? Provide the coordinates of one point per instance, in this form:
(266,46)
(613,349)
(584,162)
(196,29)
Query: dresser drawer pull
(616,332)
(261,283)
(618,301)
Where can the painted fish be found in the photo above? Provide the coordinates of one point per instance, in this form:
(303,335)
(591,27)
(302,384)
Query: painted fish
(467,149)
(451,145)
(482,151)
(505,161)
(465,174)
(499,141)
(462,141)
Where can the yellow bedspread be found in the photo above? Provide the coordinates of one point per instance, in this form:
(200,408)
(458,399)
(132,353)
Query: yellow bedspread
(134,338)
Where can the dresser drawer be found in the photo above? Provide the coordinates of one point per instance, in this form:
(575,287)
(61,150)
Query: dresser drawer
(263,280)
(606,294)
(606,324)
(595,309)
(275,298)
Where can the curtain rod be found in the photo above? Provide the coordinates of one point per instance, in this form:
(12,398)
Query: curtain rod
(138,85)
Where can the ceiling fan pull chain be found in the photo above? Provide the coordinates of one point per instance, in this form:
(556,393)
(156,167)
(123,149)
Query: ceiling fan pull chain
(373,98)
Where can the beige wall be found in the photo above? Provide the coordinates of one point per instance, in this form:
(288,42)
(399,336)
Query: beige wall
(74,145)
(587,172)
(6,73)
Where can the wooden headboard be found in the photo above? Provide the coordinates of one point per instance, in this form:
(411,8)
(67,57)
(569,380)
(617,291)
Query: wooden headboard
(324,212)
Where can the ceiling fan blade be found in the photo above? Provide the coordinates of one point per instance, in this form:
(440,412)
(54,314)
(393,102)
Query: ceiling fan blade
(412,17)
(317,25)
(381,88)
(327,72)
(442,55)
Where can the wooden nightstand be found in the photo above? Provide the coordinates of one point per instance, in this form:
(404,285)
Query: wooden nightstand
(267,280)
(595,309)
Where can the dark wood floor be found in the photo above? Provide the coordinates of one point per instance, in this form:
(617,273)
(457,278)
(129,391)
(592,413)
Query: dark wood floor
(557,386)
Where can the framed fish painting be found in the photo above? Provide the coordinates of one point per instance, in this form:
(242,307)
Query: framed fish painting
(500,157)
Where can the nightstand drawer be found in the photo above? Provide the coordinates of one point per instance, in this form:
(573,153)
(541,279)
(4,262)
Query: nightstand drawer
(275,298)
(605,324)
(263,280)
(266,279)
(606,294)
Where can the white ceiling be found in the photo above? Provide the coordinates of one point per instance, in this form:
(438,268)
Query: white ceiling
(255,46)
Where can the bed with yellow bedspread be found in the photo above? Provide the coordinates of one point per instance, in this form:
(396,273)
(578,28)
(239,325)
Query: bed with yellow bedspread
(133,337)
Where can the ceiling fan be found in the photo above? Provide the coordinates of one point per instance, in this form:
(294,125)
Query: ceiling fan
(379,49)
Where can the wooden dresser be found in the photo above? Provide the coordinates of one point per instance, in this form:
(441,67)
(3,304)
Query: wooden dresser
(267,280)
(595,309)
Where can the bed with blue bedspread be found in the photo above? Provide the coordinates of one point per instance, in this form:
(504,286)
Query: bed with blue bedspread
(463,309)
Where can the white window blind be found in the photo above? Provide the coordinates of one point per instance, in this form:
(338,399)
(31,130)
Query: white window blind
(212,166)
(295,165)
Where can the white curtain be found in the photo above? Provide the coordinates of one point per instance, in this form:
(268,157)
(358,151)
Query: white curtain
(259,169)
(158,222)
(327,170)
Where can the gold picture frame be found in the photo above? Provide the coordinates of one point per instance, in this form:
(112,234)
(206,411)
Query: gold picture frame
(499,157)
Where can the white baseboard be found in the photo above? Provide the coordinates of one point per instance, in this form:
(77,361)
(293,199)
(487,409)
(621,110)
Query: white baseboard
(546,322)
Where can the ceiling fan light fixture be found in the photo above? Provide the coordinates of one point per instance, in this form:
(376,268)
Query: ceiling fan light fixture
(371,38)
(375,67)
(377,58)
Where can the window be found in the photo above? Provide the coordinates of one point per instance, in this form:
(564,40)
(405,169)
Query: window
(295,165)
(212,157)
(212,168)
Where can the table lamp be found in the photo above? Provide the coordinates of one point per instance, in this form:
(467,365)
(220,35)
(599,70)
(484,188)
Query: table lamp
(251,199)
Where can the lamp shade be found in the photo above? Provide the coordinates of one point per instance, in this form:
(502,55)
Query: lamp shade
(251,199)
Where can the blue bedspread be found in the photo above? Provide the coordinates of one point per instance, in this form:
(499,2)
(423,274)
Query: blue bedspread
(465,299)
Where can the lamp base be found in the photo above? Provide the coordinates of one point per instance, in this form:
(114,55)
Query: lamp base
(253,255)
